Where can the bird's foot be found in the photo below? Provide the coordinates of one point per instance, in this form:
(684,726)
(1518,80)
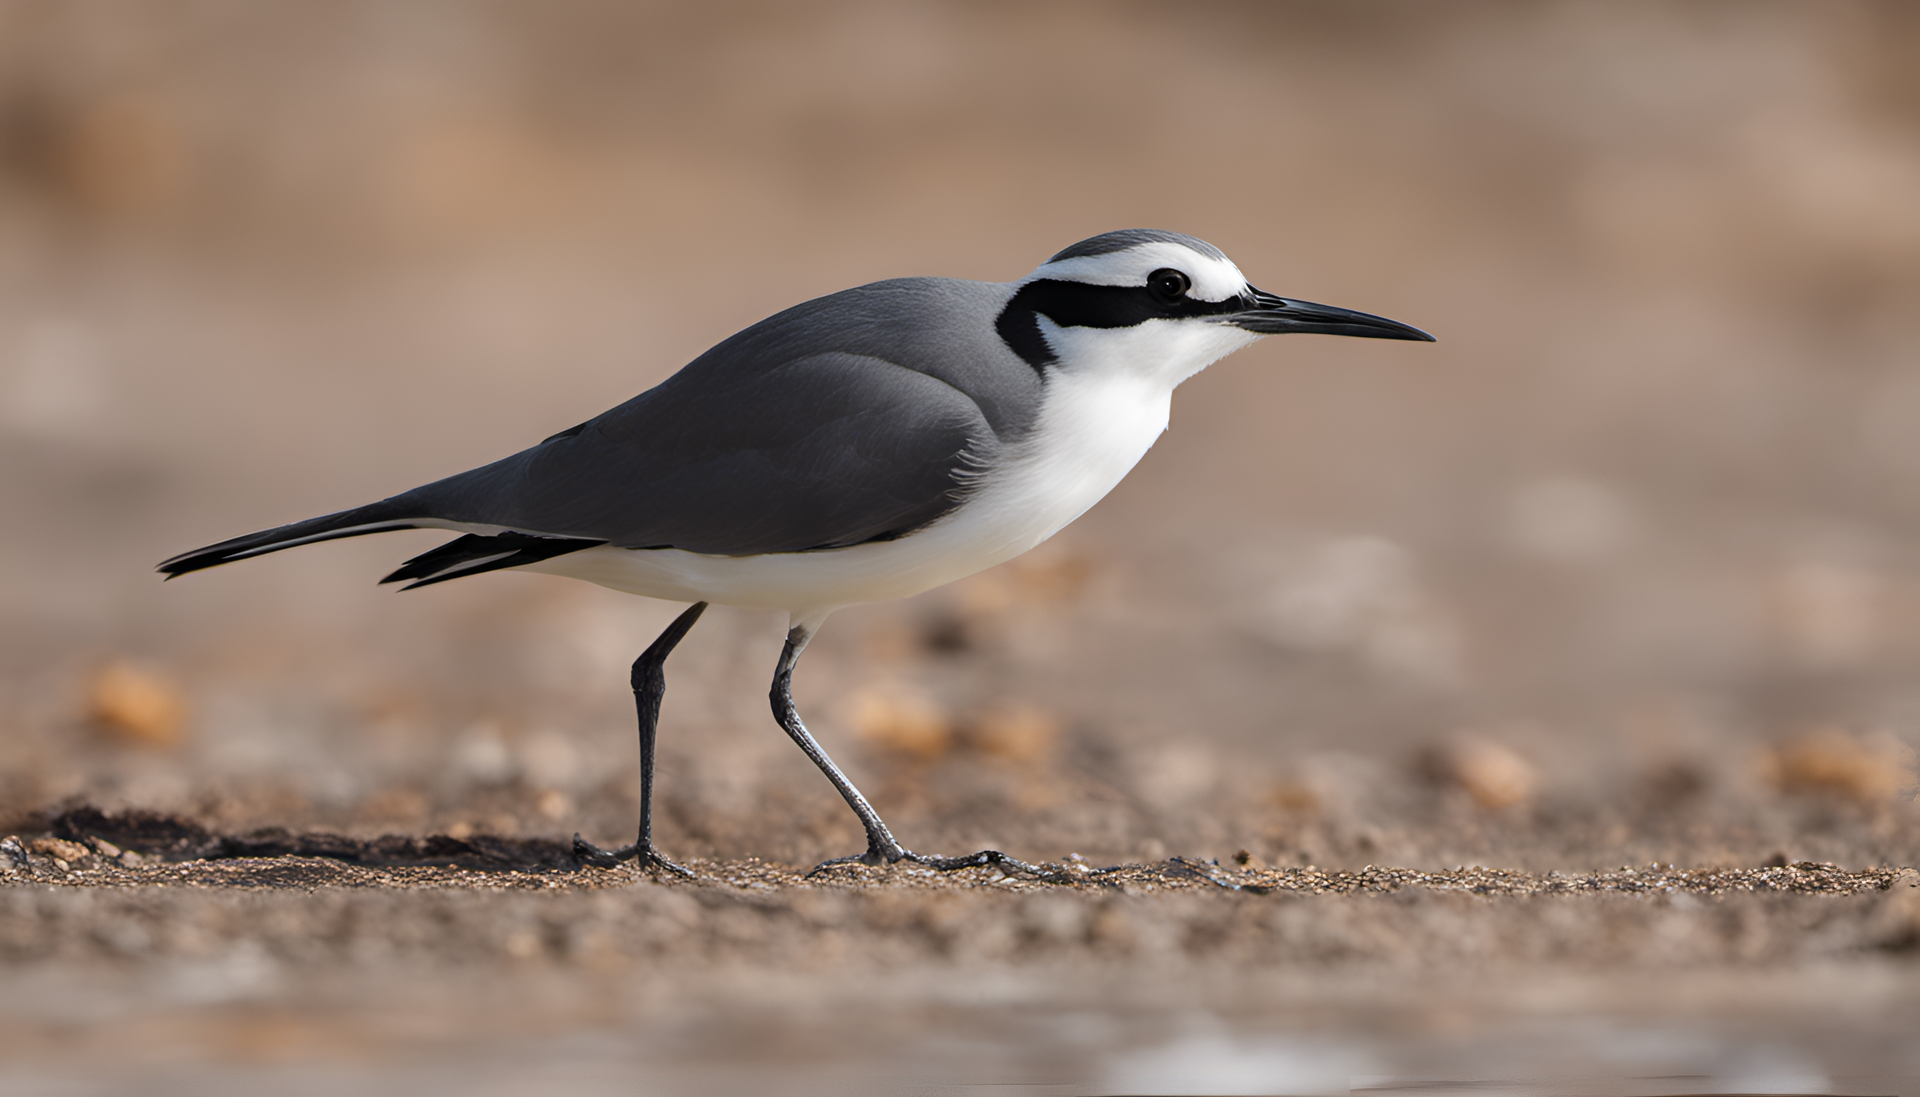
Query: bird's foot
(642,853)
(975,860)
(880,851)
(877,855)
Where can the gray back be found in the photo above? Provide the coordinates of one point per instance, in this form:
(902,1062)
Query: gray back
(845,419)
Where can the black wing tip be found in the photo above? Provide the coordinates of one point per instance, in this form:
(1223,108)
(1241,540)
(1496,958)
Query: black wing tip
(477,553)
(412,569)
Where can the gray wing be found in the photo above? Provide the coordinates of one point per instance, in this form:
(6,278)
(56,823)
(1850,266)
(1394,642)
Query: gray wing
(843,420)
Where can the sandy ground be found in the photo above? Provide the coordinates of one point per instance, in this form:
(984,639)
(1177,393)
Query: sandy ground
(214,962)
(1536,704)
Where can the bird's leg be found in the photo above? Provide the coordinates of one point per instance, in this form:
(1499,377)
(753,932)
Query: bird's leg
(649,687)
(882,849)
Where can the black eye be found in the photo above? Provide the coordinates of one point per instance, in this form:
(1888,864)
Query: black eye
(1168,286)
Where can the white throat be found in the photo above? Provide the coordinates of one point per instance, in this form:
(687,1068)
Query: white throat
(1108,398)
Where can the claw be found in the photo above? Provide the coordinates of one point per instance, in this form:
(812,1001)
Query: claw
(587,853)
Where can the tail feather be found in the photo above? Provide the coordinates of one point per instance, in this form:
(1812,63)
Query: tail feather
(373,518)
(469,555)
(477,552)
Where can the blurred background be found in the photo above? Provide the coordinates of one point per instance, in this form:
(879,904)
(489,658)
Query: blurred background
(1617,570)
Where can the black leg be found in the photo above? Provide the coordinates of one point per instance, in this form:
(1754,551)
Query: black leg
(649,687)
(882,848)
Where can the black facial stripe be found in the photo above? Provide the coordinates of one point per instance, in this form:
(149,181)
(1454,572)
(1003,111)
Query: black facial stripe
(1079,305)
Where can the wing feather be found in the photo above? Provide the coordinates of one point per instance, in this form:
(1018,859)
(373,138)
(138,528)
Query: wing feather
(823,452)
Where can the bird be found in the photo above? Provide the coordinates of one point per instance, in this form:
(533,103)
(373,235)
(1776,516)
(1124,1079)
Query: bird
(862,446)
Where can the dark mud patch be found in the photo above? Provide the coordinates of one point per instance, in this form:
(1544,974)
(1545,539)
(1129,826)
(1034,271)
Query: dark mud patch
(172,838)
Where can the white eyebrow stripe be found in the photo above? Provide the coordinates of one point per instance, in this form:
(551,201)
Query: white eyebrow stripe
(1213,279)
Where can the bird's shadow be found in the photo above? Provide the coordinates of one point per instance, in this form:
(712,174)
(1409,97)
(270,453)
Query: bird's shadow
(173,838)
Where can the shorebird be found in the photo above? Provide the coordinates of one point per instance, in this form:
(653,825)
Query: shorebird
(866,445)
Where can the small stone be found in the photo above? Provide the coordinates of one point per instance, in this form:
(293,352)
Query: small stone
(60,850)
(1015,732)
(1494,775)
(902,721)
(1835,762)
(138,703)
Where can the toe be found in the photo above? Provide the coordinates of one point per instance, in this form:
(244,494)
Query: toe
(654,860)
(981,859)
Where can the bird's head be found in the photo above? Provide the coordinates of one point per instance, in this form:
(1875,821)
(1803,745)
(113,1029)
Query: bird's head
(1160,303)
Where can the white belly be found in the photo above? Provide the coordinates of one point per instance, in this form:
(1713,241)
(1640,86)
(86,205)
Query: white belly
(1091,431)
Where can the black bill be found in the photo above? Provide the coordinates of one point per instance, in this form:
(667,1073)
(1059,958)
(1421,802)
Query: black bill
(1270,315)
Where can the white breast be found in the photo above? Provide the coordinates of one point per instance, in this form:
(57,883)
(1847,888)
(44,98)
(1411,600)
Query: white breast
(1093,428)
